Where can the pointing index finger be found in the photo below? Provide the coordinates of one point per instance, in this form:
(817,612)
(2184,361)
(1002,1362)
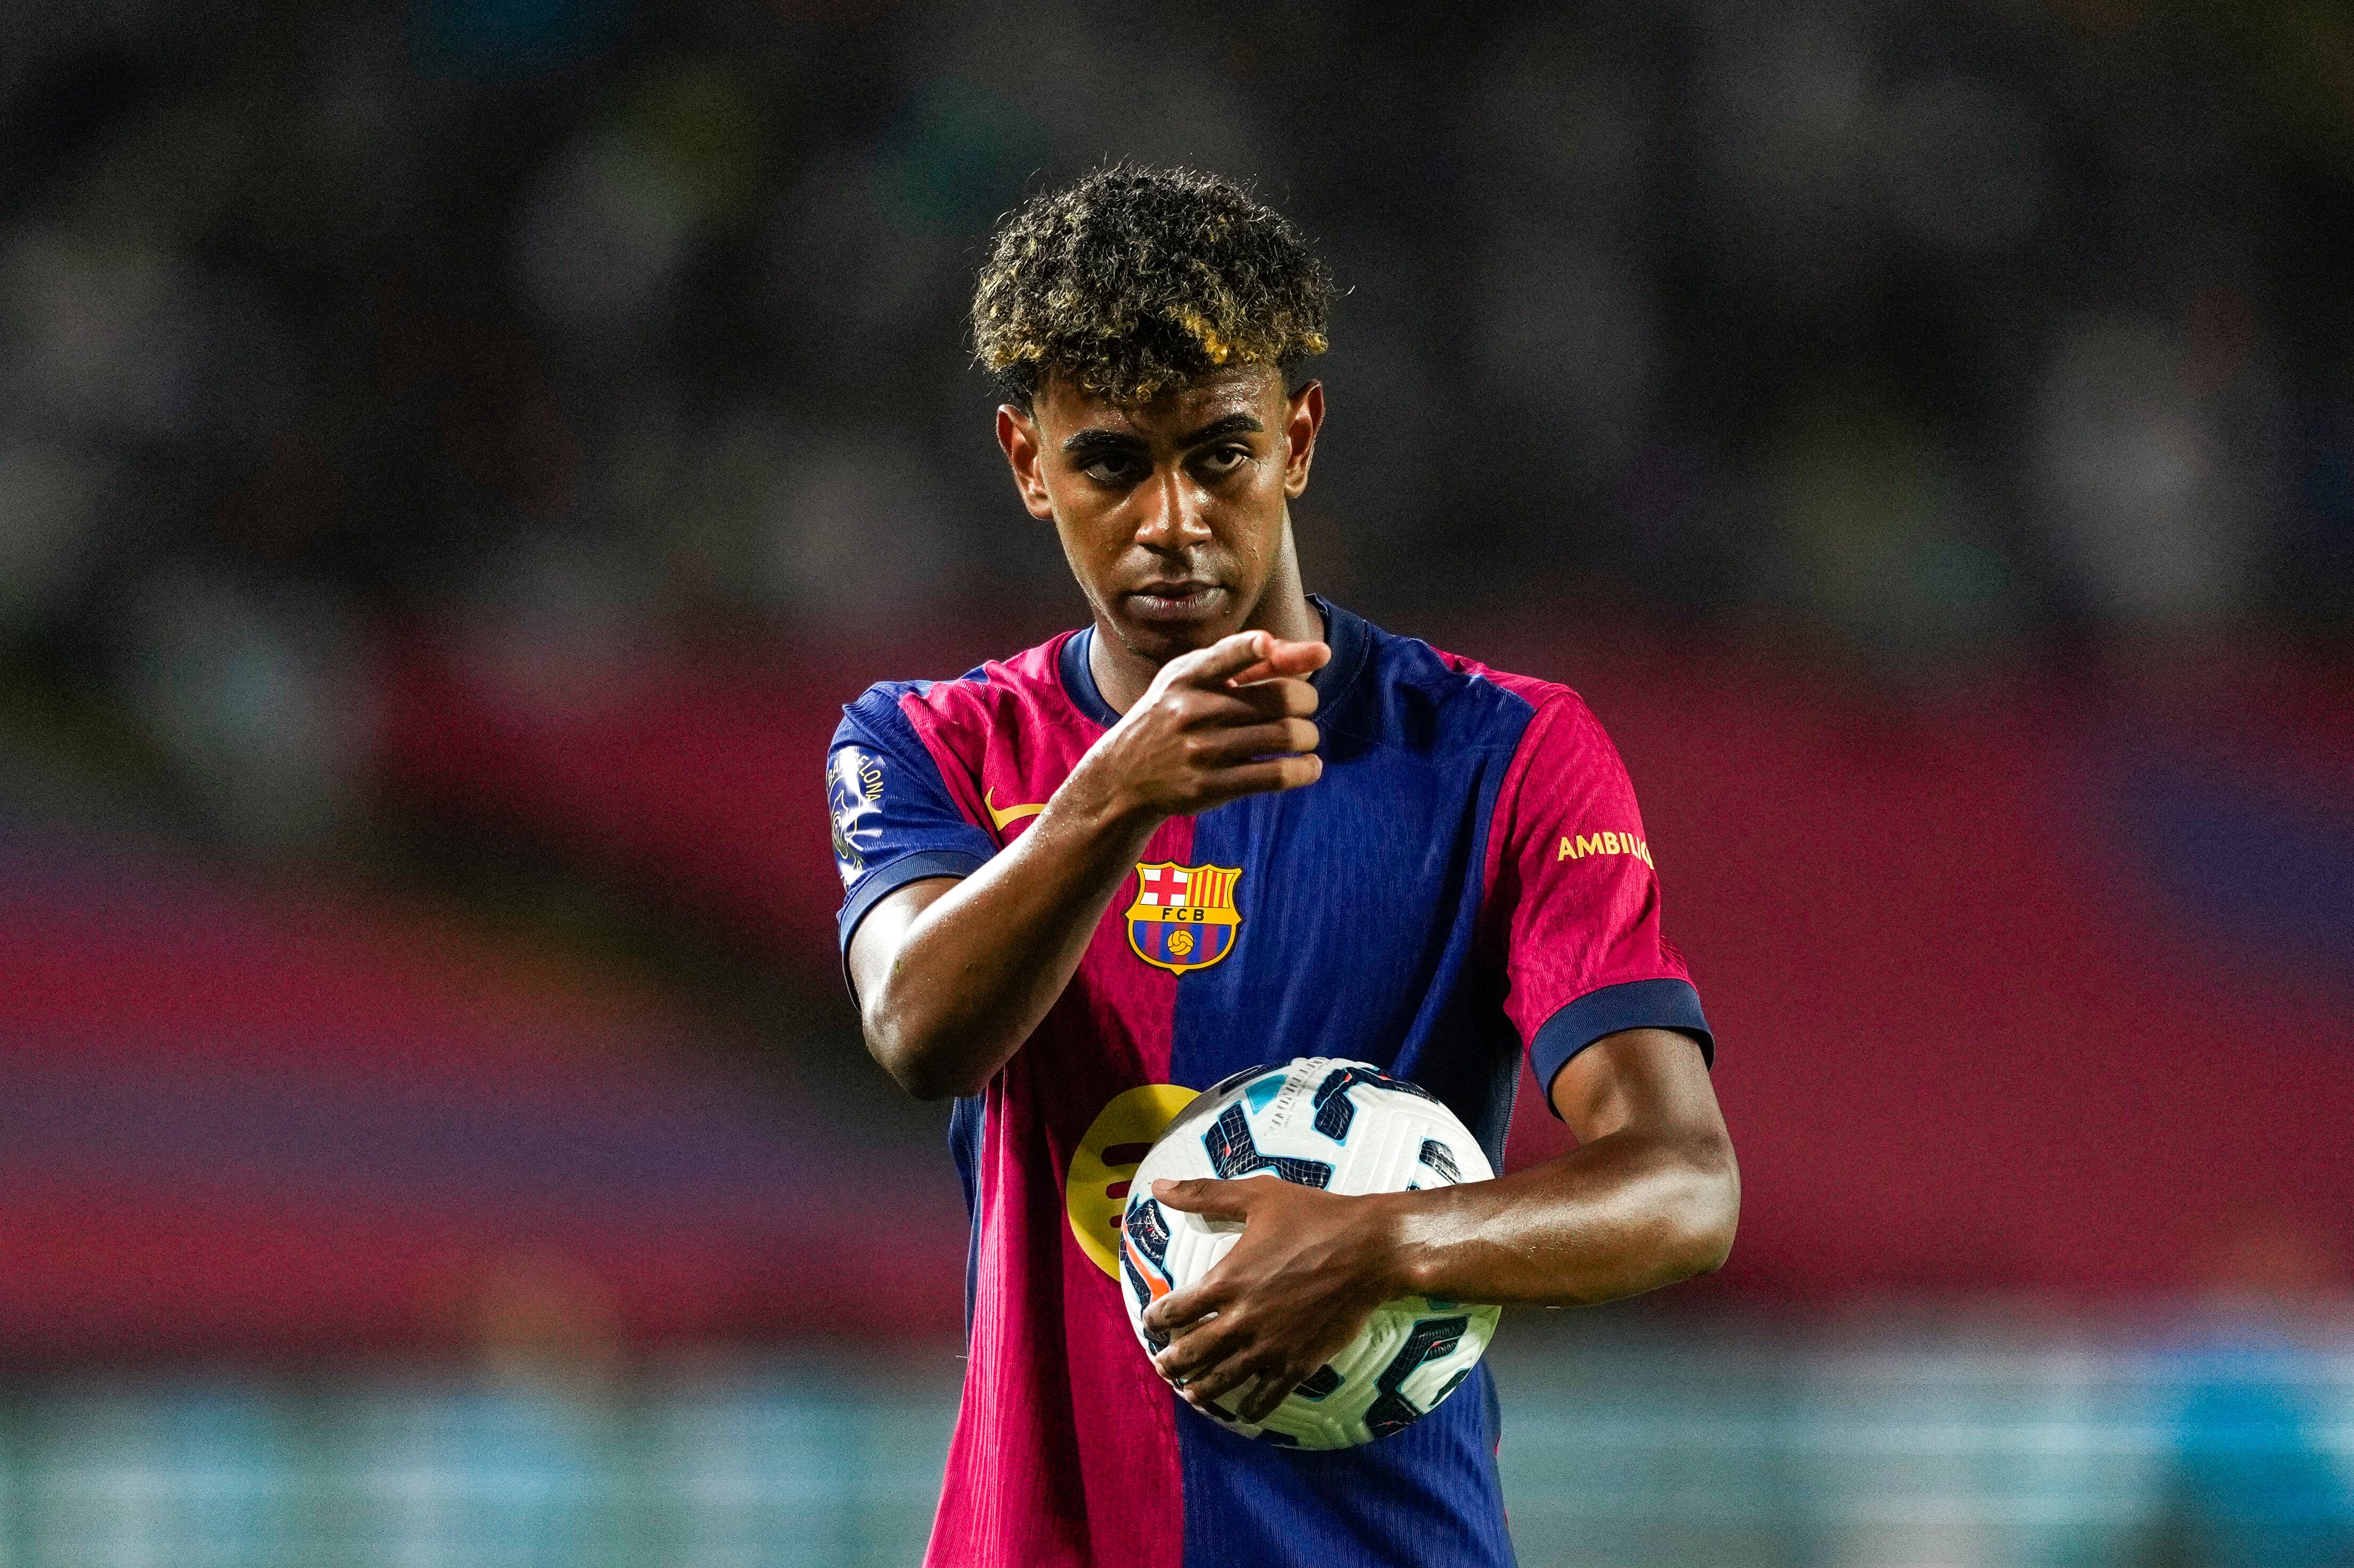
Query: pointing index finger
(1295,660)
(1229,656)
(1248,657)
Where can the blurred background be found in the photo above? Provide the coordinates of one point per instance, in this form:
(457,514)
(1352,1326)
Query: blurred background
(456,456)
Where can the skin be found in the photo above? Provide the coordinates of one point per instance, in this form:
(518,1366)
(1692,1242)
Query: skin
(1175,519)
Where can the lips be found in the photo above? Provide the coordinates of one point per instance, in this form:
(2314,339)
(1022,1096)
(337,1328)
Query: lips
(1178,599)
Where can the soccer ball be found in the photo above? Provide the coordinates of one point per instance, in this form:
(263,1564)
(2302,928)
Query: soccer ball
(1348,1128)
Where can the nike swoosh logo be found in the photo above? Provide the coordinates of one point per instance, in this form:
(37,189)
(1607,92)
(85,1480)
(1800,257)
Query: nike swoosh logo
(1011,814)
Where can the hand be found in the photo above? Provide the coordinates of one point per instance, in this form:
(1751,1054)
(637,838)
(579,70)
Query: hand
(1217,724)
(1307,1270)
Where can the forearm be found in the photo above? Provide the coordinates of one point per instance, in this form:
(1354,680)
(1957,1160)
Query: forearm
(977,971)
(1625,1213)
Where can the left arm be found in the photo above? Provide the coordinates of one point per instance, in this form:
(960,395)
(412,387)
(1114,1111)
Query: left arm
(1649,1196)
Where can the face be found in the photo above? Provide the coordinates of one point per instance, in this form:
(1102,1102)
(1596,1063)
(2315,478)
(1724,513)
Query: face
(1172,515)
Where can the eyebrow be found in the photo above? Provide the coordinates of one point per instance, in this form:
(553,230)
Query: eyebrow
(1102,440)
(1097,439)
(1235,424)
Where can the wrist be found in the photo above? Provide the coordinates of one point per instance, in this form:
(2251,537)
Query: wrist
(1102,811)
(1393,1262)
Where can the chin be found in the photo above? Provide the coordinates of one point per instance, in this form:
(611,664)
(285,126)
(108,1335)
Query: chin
(1161,640)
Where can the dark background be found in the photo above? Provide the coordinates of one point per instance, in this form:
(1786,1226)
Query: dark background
(1918,338)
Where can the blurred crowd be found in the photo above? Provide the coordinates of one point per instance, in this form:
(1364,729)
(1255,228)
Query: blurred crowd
(1929,334)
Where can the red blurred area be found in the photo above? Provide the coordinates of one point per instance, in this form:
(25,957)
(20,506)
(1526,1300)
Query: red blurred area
(1980,1027)
(236,1121)
(2037,985)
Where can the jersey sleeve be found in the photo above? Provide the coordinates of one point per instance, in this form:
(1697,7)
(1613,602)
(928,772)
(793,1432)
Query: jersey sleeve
(894,821)
(1573,898)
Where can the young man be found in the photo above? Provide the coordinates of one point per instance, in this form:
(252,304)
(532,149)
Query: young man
(1228,823)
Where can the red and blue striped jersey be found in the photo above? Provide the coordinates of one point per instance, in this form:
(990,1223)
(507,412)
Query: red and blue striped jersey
(1469,880)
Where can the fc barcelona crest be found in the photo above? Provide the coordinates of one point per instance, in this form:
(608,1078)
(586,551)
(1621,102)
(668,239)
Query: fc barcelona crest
(1184,915)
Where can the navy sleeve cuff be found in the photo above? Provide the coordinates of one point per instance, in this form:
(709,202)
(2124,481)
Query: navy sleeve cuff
(1636,1004)
(887,879)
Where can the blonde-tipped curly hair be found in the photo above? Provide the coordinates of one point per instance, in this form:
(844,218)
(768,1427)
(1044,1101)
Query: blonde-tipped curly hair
(1133,281)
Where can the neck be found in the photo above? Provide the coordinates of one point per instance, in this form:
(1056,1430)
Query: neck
(1123,675)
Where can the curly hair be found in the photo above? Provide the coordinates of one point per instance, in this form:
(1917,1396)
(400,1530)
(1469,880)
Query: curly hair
(1135,279)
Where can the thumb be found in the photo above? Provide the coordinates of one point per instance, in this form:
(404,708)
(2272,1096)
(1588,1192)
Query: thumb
(1206,1196)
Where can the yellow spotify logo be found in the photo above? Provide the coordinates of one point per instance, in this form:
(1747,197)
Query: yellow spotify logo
(1096,1192)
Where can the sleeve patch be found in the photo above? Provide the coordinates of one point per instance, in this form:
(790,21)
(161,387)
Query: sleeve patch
(854,799)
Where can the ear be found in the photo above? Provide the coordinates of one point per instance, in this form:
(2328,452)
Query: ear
(1303,417)
(1025,452)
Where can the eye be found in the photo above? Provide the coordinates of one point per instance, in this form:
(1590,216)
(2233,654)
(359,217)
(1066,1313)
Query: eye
(1111,468)
(1224,460)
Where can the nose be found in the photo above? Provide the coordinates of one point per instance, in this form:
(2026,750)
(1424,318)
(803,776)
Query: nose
(1169,510)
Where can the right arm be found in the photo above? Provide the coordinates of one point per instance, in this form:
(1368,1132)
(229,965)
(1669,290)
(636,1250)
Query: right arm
(952,975)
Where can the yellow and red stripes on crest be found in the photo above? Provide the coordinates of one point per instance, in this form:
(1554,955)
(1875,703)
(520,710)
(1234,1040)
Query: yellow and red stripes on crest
(1197,887)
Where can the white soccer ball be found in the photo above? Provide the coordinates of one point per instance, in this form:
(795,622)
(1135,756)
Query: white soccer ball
(1349,1127)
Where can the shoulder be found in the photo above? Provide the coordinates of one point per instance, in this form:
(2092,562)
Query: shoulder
(961,711)
(1427,696)
(1535,691)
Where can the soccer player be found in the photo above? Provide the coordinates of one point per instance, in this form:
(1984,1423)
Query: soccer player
(1229,824)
